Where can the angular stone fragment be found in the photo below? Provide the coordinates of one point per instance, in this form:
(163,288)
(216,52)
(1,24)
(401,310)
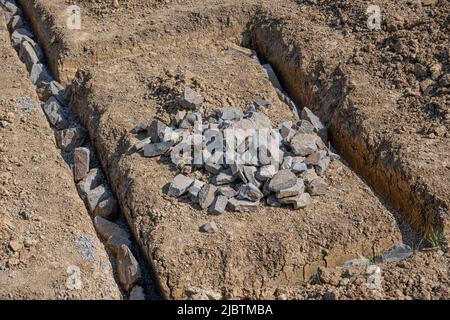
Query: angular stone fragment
(11,7)
(226,191)
(15,23)
(260,121)
(115,241)
(219,205)
(206,195)
(266,172)
(93,179)
(273,201)
(139,128)
(261,103)
(107,208)
(224,177)
(322,165)
(286,131)
(298,167)
(53,88)
(138,146)
(298,202)
(107,229)
(69,139)
(304,126)
(374,277)
(189,120)
(55,113)
(156,149)
(314,158)
(242,205)
(231,114)
(303,144)
(356,262)
(20,35)
(284,179)
(128,268)
(195,188)
(249,174)
(156,131)
(39,74)
(81,158)
(179,185)
(249,192)
(95,196)
(321,130)
(293,191)
(137,294)
(191,99)
(317,187)
(28,55)
(287,163)
(395,253)
(309,175)
(213,168)
(272,76)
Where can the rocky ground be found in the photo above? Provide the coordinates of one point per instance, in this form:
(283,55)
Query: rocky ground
(377,229)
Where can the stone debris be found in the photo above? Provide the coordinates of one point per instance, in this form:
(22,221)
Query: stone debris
(28,55)
(395,253)
(219,205)
(210,227)
(115,241)
(55,113)
(356,262)
(69,139)
(94,178)
(107,229)
(81,158)
(107,208)
(128,268)
(180,185)
(39,74)
(53,88)
(374,277)
(20,35)
(137,294)
(240,186)
(190,99)
(95,196)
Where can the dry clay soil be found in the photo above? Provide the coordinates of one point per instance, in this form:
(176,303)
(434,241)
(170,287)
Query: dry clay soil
(382,94)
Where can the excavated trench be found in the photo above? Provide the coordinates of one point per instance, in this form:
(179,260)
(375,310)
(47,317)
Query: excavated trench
(329,98)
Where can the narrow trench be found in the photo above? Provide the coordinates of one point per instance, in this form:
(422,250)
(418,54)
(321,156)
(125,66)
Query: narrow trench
(148,280)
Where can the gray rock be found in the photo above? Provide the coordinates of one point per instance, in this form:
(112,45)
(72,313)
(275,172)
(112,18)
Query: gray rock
(356,262)
(106,229)
(303,144)
(11,7)
(231,114)
(69,139)
(15,23)
(249,192)
(374,277)
(266,172)
(315,157)
(321,130)
(242,205)
(55,113)
(286,131)
(81,158)
(249,175)
(115,242)
(304,126)
(298,202)
(191,99)
(262,104)
(322,166)
(260,121)
(189,120)
(156,131)
(219,205)
(28,55)
(53,88)
(39,74)
(293,191)
(317,187)
(284,179)
(180,185)
(213,168)
(94,178)
(298,167)
(107,208)
(333,155)
(128,268)
(287,163)
(140,128)
(137,294)
(20,35)
(272,76)
(156,149)
(206,195)
(138,146)
(195,188)
(309,175)
(395,253)
(95,196)
(226,191)
(224,177)
(273,201)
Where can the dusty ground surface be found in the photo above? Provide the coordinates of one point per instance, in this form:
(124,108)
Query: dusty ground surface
(383,94)
(47,240)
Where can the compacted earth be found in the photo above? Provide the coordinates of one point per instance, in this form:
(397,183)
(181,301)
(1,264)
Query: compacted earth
(365,217)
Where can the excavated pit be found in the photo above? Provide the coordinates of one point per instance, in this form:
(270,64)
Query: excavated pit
(274,246)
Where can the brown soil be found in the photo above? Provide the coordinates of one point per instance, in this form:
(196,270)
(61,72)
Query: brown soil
(389,122)
(44,227)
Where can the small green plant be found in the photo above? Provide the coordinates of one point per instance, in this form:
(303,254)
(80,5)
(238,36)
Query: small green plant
(316,279)
(436,239)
